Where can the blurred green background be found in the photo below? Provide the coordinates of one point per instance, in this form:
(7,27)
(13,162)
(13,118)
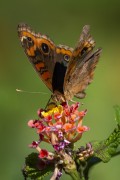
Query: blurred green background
(62,21)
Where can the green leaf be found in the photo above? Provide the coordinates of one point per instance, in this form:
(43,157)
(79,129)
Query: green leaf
(101,151)
(104,150)
(117,113)
(32,170)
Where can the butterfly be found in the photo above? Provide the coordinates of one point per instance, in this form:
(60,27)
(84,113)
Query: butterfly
(65,71)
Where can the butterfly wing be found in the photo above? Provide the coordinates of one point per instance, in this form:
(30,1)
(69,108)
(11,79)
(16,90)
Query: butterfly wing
(49,61)
(40,51)
(81,66)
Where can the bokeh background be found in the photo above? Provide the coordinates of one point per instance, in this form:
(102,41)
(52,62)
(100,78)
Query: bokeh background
(62,21)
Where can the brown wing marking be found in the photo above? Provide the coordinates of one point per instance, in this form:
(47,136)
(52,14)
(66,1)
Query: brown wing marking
(82,77)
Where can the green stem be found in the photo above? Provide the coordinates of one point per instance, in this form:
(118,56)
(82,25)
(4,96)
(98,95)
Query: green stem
(75,175)
(70,166)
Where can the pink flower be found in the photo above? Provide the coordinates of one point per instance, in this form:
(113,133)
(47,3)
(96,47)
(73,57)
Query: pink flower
(68,127)
(43,153)
(39,112)
(81,129)
(48,118)
(58,124)
(31,123)
(34,144)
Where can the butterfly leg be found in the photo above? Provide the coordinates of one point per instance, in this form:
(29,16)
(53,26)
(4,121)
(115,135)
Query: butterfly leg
(73,101)
(51,103)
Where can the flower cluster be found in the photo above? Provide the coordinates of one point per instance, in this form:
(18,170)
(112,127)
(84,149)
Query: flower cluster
(58,125)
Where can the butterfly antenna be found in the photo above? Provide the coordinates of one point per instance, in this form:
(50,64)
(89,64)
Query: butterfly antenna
(32,92)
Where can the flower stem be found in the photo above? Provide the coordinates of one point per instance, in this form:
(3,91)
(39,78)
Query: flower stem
(75,175)
(70,167)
